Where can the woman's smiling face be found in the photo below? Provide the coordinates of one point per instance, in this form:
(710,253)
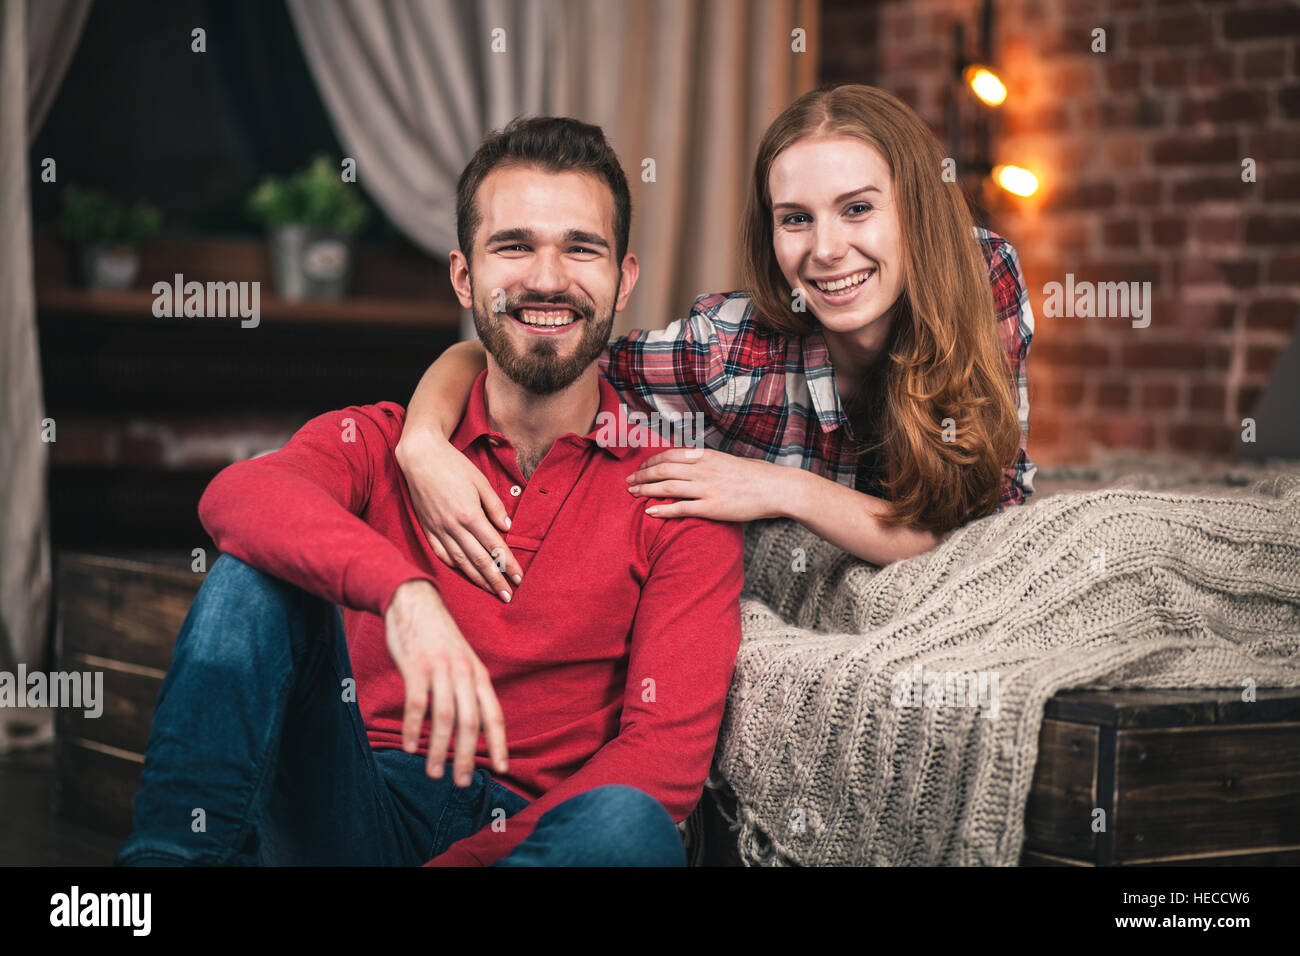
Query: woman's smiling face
(835,232)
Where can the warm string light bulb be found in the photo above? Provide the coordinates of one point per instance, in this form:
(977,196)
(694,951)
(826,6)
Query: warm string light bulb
(990,89)
(985,84)
(1015,180)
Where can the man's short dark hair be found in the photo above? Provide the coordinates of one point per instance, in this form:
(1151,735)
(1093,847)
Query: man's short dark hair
(552,143)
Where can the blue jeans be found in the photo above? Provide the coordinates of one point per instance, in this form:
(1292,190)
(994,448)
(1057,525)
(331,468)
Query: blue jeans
(257,756)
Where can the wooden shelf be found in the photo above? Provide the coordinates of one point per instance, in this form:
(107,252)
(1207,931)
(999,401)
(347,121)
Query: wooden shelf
(104,354)
(392,285)
(138,304)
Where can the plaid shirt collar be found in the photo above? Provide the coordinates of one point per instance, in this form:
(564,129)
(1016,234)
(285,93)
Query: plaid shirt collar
(825,399)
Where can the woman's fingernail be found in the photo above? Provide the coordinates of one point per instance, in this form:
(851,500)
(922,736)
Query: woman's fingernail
(630,477)
(507,523)
(505,596)
(518,578)
(652,511)
(634,489)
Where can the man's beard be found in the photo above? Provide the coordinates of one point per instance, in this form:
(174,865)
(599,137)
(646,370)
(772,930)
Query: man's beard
(539,369)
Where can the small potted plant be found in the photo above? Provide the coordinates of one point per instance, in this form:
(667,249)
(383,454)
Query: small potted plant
(106,236)
(312,218)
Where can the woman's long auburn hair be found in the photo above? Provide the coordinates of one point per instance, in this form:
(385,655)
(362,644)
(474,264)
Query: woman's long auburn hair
(945,359)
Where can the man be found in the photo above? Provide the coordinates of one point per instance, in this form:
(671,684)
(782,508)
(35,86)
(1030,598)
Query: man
(598,685)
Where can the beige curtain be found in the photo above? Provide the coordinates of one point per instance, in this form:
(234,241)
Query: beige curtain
(691,84)
(37,40)
(413,86)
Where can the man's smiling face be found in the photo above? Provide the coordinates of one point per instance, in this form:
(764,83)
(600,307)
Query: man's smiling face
(542,278)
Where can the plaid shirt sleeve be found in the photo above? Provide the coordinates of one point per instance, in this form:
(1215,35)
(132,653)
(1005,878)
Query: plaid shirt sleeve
(1016,328)
(681,369)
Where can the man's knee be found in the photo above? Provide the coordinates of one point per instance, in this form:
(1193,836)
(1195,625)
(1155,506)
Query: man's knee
(628,827)
(233,605)
(230,575)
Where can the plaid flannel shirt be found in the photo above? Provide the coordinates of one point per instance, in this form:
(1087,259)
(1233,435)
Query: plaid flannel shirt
(763,394)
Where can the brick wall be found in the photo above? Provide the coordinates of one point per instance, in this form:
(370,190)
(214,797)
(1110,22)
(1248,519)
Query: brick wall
(1139,151)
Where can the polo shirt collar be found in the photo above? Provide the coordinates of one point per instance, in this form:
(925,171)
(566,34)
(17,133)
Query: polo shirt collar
(474,423)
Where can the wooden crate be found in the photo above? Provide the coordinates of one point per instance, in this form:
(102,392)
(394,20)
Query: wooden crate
(119,615)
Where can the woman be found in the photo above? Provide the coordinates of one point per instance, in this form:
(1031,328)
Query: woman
(868,350)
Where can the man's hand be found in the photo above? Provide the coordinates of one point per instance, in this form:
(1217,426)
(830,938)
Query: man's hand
(441,670)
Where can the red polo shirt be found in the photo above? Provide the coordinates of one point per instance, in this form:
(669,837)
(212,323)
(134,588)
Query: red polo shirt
(612,660)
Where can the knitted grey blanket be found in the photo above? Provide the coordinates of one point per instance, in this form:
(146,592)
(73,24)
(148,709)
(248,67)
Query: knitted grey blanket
(891,716)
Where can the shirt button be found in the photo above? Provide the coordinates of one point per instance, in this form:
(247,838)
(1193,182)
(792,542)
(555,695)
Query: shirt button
(516,490)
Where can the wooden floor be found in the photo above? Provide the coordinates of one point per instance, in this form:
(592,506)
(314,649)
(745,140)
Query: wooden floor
(30,835)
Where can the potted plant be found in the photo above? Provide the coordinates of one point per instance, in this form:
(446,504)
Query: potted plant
(312,218)
(106,235)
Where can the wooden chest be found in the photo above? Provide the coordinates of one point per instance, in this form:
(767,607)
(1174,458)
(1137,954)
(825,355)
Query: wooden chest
(1142,778)
(1182,777)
